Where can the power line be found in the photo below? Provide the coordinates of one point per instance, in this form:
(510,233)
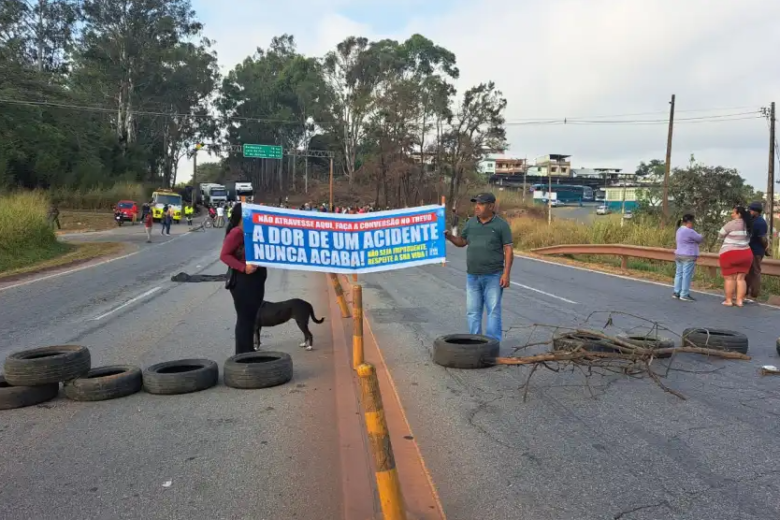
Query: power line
(593,120)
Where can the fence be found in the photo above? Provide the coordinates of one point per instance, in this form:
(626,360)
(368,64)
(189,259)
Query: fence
(769,267)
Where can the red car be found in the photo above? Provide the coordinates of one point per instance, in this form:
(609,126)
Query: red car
(126,211)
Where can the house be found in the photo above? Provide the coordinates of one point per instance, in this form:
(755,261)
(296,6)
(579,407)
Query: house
(554,165)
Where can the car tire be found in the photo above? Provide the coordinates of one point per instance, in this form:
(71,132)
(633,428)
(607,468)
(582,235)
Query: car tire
(47,365)
(649,342)
(182,376)
(254,370)
(571,341)
(12,397)
(104,383)
(716,339)
(777,346)
(465,351)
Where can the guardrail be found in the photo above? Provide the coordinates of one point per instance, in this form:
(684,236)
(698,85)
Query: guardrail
(769,266)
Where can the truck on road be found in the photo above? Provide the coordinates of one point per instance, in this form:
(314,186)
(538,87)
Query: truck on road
(213,193)
(239,189)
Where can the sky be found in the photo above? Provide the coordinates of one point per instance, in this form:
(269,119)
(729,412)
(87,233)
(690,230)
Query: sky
(593,60)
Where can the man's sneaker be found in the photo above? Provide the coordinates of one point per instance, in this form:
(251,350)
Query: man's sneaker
(688,298)
(676,296)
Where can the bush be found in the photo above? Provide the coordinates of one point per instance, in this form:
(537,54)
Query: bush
(531,233)
(25,233)
(100,198)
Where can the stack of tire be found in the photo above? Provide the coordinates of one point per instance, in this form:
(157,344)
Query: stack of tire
(34,376)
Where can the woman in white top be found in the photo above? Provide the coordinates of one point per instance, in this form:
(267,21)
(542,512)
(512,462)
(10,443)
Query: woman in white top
(735,255)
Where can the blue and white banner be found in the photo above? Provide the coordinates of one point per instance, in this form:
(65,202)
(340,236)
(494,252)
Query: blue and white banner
(341,243)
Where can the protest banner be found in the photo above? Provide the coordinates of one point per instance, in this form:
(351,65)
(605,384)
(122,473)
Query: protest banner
(340,243)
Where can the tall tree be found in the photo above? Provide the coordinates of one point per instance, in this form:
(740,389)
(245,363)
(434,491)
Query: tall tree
(477,130)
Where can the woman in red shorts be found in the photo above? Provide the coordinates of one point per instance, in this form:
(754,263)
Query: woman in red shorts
(735,254)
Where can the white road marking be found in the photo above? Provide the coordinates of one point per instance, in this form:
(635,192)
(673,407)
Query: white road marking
(544,293)
(88,266)
(128,302)
(624,277)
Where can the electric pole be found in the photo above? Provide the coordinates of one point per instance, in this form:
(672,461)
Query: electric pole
(668,163)
(770,181)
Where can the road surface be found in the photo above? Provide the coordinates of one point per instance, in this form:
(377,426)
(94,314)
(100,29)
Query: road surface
(633,453)
(228,454)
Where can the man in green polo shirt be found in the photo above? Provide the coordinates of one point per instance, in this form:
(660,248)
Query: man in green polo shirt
(488,264)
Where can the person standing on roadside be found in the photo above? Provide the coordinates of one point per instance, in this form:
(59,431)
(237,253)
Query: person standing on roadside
(220,216)
(488,264)
(248,283)
(685,257)
(164,219)
(735,257)
(54,215)
(758,245)
(148,223)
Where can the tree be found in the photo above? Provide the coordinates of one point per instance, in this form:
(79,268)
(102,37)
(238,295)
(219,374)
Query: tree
(655,167)
(477,130)
(709,192)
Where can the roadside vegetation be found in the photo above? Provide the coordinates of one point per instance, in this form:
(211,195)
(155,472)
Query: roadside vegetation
(28,242)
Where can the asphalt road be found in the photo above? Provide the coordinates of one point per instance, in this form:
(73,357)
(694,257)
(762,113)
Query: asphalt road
(632,452)
(228,454)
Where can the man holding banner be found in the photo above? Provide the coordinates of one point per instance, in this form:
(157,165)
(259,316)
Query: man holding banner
(488,264)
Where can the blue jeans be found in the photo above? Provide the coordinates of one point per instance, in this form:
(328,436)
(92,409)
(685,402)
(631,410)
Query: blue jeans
(483,291)
(683,277)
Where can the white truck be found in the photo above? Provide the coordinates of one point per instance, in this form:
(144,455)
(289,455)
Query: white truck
(213,193)
(239,189)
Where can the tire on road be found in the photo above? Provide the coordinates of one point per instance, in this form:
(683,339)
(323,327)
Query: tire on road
(103,383)
(182,376)
(253,370)
(777,346)
(47,365)
(20,396)
(571,341)
(465,351)
(718,339)
(649,342)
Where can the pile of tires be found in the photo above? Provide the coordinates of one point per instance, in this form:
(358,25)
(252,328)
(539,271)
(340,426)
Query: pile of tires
(32,377)
(465,351)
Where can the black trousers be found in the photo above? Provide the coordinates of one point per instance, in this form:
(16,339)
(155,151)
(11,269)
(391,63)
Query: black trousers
(248,294)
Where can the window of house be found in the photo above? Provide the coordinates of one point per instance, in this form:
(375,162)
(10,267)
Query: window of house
(554,169)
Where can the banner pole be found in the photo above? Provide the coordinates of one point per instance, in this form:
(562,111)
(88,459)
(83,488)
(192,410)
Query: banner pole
(444,205)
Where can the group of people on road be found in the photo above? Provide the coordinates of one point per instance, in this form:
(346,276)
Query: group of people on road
(744,246)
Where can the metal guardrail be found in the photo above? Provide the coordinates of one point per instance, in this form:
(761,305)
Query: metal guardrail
(769,267)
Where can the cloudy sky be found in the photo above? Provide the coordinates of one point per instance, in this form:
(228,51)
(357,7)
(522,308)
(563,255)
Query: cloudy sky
(593,60)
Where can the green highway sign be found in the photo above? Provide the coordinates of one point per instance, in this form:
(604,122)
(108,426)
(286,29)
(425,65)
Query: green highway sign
(263,151)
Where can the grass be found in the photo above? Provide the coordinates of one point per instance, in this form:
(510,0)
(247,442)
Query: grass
(28,242)
(74,221)
(531,233)
(99,198)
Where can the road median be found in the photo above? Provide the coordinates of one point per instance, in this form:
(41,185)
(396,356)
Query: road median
(419,496)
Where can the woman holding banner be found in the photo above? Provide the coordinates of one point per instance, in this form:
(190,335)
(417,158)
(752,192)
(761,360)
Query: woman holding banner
(246,282)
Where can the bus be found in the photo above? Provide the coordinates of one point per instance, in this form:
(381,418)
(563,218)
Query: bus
(567,192)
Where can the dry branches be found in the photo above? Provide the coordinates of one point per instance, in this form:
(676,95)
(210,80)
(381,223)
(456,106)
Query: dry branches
(594,352)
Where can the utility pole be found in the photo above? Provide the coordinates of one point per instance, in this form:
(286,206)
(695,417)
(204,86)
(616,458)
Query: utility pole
(549,196)
(331,185)
(668,163)
(770,182)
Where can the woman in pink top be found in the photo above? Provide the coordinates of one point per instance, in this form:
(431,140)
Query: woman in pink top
(735,254)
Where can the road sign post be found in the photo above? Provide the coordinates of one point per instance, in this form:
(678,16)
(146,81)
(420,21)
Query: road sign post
(262,151)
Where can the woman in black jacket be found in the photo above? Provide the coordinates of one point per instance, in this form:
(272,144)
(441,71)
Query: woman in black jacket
(248,287)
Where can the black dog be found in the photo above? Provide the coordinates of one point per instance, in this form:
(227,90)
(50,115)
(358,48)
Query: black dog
(272,314)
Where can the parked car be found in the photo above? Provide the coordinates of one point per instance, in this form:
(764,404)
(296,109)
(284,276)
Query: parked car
(557,202)
(628,215)
(126,211)
(602,210)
